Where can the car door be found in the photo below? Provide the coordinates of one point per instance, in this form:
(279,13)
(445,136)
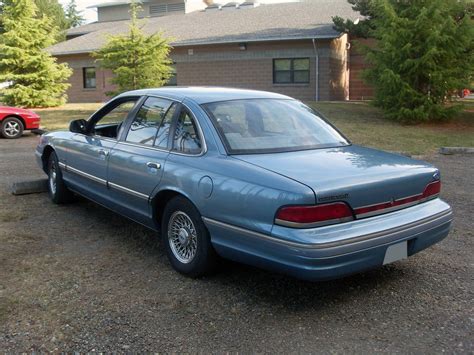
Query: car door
(87,154)
(137,161)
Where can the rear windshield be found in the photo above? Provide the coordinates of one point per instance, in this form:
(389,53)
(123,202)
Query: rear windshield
(271,125)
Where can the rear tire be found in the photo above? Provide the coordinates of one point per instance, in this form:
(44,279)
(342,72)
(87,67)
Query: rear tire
(58,192)
(11,128)
(186,239)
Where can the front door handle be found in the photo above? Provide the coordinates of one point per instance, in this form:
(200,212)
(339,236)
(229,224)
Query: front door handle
(103,153)
(152,165)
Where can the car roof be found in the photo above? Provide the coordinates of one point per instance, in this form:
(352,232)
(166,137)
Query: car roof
(202,95)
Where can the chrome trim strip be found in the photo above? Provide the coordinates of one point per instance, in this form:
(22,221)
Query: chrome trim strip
(128,191)
(381,203)
(62,165)
(86,175)
(387,210)
(329,222)
(113,140)
(394,208)
(142,146)
(338,243)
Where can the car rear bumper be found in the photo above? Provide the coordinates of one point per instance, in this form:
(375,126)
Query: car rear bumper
(338,250)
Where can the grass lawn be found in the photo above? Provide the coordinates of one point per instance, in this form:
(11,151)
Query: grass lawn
(360,122)
(365,125)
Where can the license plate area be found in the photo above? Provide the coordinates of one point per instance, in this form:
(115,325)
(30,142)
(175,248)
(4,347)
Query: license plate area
(396,252)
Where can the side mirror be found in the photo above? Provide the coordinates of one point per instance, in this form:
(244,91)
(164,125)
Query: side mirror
(78,126)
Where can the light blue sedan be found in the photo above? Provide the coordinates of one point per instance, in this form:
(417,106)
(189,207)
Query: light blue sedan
(251,176)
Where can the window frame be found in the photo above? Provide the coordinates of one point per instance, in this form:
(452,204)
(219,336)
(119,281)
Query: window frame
(132,119)
(111,105)
(84,78)
(182,106)
(291,71)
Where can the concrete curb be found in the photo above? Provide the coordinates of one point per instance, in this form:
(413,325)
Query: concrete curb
(456,150)
(29,187)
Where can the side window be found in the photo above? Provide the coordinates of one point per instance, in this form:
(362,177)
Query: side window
(164,130)
(186,138)
(146,123)
(118,114)
(109,124)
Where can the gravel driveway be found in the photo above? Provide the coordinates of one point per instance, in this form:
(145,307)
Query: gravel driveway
(79,277)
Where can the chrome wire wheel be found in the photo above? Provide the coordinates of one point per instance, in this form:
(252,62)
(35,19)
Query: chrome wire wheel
(52,178)
(182,237)
(12,128)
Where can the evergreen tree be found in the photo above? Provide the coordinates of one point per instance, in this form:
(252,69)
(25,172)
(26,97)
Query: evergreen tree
(2,5)
(52,9)
(37,80)
(424,55)
(360,28)
(73,16)
(137,60)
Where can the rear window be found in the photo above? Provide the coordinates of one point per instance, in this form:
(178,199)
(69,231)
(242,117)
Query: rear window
(271,125)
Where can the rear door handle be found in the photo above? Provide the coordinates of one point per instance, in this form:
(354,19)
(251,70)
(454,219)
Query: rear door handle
(152,165)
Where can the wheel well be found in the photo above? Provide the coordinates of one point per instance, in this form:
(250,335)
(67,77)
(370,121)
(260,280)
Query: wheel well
(159,202)
(45,157)
(18,117)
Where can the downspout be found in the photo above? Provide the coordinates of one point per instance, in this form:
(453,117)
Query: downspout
(316,56)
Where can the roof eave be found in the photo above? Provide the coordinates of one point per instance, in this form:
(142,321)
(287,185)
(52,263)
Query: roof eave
(203,43)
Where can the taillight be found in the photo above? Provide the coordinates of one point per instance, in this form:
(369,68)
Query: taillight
(313,216)
(432,189)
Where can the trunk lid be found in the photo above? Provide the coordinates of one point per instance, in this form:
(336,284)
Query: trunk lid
(357,175)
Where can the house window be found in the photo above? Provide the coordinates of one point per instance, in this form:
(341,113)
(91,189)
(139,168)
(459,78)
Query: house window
(88,75)
(291,71)
(173,79)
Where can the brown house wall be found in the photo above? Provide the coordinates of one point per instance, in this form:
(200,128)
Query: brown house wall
(77,92)
(229,66)
(358,89)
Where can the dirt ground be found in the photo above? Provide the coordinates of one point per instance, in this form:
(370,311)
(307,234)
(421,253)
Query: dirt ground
(80,278)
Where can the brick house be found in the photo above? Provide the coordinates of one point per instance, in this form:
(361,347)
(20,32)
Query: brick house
(290,48)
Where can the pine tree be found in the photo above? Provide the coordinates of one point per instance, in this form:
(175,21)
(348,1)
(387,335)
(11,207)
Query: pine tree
(52,9)
(73,16)
(423,56)
(363,27)
(136,59)
(36,79)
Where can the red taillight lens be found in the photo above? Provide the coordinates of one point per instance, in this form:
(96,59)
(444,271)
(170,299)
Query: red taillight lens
(433,188)
(307,216)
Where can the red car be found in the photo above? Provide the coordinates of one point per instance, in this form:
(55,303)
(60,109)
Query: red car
(13,121)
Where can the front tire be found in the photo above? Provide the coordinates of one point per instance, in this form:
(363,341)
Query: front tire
(186,239)
(58,192)
(11,128)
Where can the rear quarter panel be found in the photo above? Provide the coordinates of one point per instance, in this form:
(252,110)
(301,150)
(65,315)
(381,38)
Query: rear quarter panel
(232,191)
